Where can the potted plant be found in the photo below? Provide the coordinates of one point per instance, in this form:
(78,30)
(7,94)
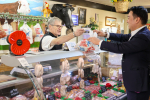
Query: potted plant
(121,5)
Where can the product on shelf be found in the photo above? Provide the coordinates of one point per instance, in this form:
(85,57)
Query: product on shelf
(56,88)
(92,88)
(46,89)
(30,94)
(82,84)
(111,82)
(63,90)
(19,97)
(74,79)
(97,98)
(75,93)
(3,98)
(111,93)
(76,86)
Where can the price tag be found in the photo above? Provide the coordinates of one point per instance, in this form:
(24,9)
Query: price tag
(23,62)
(120,71)
(115,73)
(113,78)
(71,46)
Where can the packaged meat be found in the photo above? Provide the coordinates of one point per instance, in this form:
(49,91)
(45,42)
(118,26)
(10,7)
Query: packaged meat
(74,79)
(30,94)
(8,30)
(3,98)
(19,97)
(2,32)
(97,98)
(47,89)
(92,88)
(38,95)
(82,84)
(56,88)
(75,93)
(111,93)
(63,90)
(38,70)
(25,28)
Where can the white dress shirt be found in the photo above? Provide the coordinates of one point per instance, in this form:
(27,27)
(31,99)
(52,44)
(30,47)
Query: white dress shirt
(132,34)
(46,43)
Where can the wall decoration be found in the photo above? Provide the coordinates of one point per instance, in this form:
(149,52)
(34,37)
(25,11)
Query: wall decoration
(110,21)
(97,18)
(25,7)
(82,15)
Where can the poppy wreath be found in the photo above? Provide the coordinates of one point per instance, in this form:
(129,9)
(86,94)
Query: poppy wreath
(19,44)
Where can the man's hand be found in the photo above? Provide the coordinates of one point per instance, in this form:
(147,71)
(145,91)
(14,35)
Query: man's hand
(79,32)
(94,40)
(100,33)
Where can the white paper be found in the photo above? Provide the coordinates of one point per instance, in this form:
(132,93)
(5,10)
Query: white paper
(113,78)
(120,71)
(23,62)
(115,73)
(71,46)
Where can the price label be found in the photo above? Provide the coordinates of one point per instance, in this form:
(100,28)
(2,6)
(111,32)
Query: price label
(71,46)
(113,78)
(120,71)
(23,62)
(115,73)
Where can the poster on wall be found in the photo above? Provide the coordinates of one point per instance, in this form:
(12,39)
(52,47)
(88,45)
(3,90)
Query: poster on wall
(25,7)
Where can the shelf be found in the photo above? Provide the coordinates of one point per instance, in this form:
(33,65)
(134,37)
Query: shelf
(20,81)
(12,61)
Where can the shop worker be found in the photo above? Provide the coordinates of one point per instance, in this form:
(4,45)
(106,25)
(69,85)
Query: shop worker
(52,39)
(136,53)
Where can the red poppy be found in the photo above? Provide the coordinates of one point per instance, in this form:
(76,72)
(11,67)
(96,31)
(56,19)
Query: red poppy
(19,44)
(77,98)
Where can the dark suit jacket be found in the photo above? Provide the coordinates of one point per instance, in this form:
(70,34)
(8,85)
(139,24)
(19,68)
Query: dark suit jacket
(135,60)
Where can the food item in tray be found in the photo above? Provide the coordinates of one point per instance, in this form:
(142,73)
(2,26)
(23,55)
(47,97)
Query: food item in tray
(97,98)
(62,80)
(30,94)
(40,82)
(75,93)
(82,84)
(69,88)
(87,83)
(56,88)
(19,97)
(92,87)
(111,93)
(38,70)
(63,90)
(37,96)
(3,98)
(46,89)
(76,86)
(74,79)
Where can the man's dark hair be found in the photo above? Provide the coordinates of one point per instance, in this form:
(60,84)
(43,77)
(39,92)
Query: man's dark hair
(140,11)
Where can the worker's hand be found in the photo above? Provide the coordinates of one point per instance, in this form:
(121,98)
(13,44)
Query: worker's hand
(94,40)
(79,32)
(100,33)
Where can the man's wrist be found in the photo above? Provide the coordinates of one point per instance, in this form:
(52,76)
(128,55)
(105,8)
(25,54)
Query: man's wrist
(74,34)
(105,34)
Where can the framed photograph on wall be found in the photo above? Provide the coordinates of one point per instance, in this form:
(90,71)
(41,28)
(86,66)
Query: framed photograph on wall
(110,21)
(82,15)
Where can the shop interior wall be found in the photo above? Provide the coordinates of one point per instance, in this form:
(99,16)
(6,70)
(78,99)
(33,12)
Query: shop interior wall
(90,12)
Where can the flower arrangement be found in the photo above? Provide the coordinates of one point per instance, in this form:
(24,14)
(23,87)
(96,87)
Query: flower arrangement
(92,24)
(113,1)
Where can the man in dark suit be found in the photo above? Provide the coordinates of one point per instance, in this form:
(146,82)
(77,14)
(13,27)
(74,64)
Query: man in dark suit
(136,53)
